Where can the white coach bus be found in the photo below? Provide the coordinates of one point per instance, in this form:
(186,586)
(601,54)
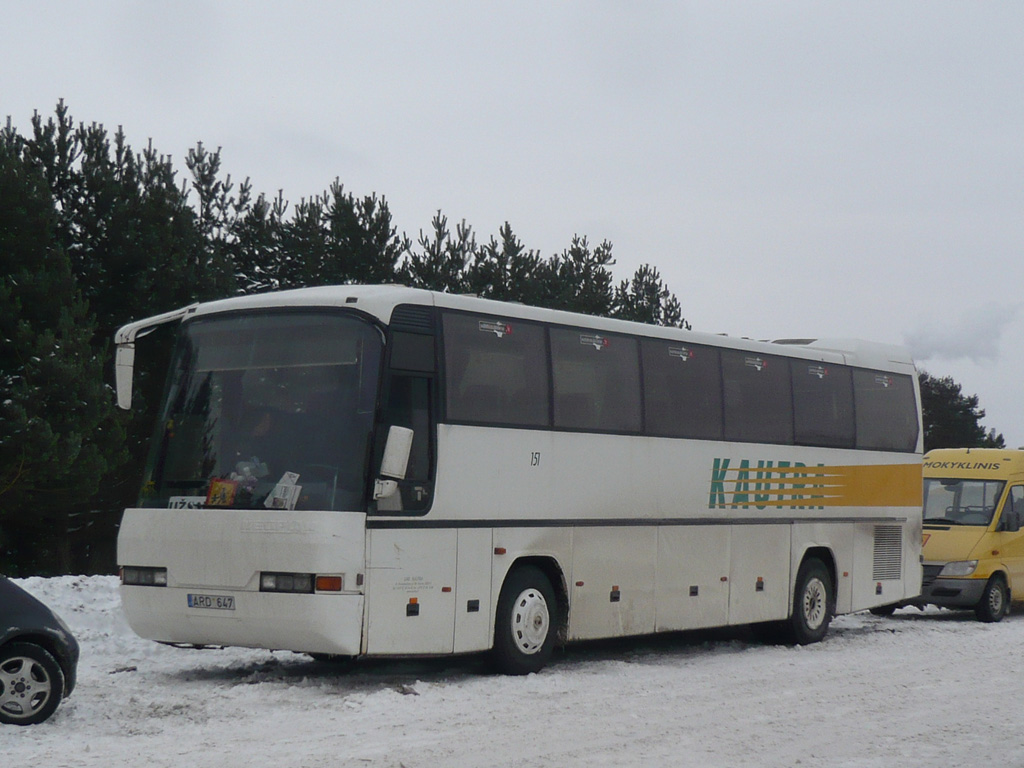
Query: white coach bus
(377,470)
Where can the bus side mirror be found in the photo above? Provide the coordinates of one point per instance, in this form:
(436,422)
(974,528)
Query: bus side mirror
(395,461)
(124,369)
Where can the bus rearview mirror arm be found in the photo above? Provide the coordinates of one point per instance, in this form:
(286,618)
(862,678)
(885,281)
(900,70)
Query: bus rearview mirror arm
(394,463)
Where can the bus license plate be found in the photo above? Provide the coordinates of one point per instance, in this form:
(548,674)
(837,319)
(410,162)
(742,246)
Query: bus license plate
(220,602)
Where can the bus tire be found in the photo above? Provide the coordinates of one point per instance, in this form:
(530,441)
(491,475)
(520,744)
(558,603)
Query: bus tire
(995,600)
(813,603)
(526,622)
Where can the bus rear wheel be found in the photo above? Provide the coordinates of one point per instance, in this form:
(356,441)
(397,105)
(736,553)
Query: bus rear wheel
(813,603)
(526,622)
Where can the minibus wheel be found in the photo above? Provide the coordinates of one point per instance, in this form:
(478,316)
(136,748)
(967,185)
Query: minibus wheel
(526,622)
(813,603)
(995,600)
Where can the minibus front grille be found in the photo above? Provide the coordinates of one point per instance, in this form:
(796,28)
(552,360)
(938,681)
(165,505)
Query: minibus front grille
(930,573)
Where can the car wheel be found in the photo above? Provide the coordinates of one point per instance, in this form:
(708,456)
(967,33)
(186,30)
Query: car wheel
(526,623)
(995,601)
(31,684)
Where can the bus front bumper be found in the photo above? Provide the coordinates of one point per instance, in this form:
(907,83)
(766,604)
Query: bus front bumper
(315,623)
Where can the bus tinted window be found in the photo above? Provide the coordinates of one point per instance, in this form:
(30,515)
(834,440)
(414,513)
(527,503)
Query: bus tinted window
(496,370)
(596,381)
(682,390)
(758,401)
(886,411)
(822,404)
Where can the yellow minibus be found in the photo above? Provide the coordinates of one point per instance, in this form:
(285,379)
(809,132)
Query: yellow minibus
(972,530)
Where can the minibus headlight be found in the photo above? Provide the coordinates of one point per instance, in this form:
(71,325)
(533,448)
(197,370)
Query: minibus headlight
(958,568)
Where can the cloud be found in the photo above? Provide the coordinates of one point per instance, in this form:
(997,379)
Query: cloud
(975,336)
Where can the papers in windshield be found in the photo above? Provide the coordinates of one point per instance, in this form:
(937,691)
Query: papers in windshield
(285,494)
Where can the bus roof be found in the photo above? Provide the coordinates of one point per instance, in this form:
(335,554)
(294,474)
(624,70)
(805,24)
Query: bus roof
(380,301)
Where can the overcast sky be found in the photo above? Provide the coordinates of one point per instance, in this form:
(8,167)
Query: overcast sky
(792,168)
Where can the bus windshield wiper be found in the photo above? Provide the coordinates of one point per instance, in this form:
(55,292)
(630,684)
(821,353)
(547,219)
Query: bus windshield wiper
(942,521)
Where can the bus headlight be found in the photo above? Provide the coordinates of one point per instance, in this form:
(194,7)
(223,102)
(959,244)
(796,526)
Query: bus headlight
(958,568)
(286,582)
(143,576)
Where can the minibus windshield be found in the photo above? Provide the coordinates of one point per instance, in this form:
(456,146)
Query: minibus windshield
(956,501)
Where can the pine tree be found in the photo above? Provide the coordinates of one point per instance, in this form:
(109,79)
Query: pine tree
(646,299)
(442,262)
(506,271)
(951,418)
(58,430)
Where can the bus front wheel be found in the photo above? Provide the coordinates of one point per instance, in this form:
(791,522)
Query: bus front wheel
(813,603)
(526,622)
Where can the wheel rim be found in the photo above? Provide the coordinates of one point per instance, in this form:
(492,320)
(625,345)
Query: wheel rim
(24,687)
(995,599)
(531,621)
(815,603)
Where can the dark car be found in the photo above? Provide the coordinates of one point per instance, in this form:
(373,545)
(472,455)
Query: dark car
(38,657)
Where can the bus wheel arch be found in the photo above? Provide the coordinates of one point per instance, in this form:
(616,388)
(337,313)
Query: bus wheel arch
(529,617)
(814,598)
(995,599)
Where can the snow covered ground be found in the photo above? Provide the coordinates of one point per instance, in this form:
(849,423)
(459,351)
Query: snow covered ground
(917,689)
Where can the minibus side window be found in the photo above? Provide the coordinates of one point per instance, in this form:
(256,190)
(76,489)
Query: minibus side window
(1013,511)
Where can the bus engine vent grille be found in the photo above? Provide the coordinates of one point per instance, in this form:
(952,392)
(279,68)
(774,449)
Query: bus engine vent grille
(413,317)
(888,552)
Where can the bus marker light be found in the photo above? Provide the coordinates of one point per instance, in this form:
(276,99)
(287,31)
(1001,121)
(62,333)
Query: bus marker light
(330,583)
(446,589)
(500,550)
(579,583)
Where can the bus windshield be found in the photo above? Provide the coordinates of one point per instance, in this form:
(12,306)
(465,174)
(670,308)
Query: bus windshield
(954,501)
(267,410)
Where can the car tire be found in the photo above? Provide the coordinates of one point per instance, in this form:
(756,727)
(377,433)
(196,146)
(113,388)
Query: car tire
(995,601)
(31,684)
(526,623)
